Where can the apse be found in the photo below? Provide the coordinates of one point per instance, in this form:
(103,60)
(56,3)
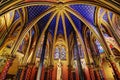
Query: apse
(59,40)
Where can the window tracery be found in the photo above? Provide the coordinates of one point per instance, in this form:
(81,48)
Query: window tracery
(57,55)
(60,53)
(63,53)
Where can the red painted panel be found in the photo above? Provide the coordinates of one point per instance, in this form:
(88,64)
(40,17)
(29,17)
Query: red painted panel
(42,75)
(87,75)
(65,72)
(54,74)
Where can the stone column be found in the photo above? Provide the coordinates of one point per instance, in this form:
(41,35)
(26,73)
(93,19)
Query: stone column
(28,71)
(115,69)
(92,73)
(22,75)
(80,70)
(69,72)
(50,70)
(33,74)
(6,67)
(42,56)
(97,76)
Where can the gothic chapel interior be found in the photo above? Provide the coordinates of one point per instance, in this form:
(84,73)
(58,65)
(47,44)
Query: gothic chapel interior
(59,40)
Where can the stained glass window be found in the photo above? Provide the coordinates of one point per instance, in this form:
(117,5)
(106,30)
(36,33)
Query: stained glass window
(81,53)
(106,35)
(63,53)
(100,49)
(75,52)
(57,53)
(38,54)
(21,46)
(60,53)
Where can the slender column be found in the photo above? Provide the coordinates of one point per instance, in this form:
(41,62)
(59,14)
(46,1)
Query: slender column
(115,69)
(51,45)
(69,60)
(74,76)
(91,67)
(69,72)
(50,71)
(80,71)
(27,51)
(111,27)
(96,63)
(87,73)
(70,67)
(19,72)
(34,46)
(30,67)
(108,51)
(22,75)
(97,76)
(34,71)
(46,74)
(28,72)
(102,74)
(4,34)
(6,68)
(91,73)
(93,51)
(86,47)
(42,56)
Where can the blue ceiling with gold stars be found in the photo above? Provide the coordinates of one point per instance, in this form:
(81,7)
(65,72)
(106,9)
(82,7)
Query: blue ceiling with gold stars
(87,11)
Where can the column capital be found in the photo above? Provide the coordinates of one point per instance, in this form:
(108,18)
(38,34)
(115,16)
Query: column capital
(10,57)
(50,67)
(22,66)
(69,66)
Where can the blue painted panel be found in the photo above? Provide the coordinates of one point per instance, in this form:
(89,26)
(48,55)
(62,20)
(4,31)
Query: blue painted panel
(52,26)
(77,23)
(16,15)
(87,11)
(60,27)
(69,27)
(34,11)
(111,14)
(42,22)
(105,17)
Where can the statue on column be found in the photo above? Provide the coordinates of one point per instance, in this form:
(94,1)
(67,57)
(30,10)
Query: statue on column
(59,70)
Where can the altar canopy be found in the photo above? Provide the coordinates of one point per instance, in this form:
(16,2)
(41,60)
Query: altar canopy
(59,40)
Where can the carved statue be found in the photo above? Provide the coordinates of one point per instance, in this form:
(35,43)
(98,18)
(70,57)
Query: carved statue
(59,70)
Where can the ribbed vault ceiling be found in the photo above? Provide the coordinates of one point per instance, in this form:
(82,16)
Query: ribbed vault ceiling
(87,11)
